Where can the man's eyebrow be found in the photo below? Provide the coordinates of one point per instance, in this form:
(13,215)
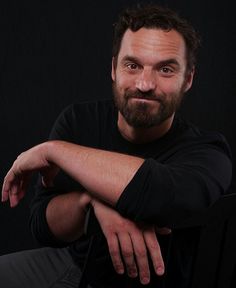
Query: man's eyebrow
(171,61)
(131,59)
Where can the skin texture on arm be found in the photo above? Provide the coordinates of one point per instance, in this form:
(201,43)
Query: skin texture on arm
(93,168)
(66,215)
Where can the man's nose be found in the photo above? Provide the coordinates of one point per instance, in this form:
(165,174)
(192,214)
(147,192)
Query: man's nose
(146,81)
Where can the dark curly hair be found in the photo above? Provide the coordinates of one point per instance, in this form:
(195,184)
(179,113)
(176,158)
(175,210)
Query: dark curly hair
(157,17)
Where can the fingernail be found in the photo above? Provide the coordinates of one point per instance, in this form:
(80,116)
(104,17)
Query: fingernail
(160,270)
(145,280)
(120,270)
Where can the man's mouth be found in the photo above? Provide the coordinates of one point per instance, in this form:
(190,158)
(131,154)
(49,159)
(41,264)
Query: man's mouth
(145,99)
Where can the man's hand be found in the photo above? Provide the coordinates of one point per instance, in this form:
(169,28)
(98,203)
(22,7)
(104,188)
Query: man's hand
(17,179)
(130,242)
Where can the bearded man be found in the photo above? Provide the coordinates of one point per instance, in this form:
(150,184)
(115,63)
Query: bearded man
(131,167)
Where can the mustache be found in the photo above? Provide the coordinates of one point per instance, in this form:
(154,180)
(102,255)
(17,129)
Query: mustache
(149,95)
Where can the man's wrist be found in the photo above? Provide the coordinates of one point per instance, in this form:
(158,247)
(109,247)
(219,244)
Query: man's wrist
(48,149)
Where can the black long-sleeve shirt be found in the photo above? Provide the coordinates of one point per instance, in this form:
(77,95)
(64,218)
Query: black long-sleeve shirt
(184,172)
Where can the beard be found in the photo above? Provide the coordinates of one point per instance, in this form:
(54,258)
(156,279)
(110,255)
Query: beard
(140,114)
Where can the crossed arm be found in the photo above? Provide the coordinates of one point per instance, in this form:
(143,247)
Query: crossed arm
(96,171)
(104,174)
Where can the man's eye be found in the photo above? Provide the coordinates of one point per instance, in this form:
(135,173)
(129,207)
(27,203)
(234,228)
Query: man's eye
(166,70)
(132,66)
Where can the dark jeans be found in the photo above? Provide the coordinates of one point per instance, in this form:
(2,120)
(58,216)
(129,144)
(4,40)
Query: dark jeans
(39,268)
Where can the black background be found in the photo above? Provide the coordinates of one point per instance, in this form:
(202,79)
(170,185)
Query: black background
(54,53)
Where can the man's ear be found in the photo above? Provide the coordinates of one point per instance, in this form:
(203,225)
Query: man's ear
(189,79)
(113,67)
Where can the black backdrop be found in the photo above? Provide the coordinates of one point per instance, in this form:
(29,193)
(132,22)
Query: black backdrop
(54,53)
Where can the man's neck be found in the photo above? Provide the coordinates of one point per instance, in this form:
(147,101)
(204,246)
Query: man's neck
(143,135)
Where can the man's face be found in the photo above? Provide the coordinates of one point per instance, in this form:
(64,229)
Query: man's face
(149,78)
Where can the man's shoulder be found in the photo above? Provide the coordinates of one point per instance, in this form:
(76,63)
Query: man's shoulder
(200,135)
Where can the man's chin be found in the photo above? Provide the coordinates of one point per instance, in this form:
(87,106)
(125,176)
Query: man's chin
(144,109)
(141,120)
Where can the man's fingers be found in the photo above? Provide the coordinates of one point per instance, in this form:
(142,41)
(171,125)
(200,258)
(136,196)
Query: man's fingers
(114,251)
(14,200)
(5,193)
(129,243)
(141,258)
(16,193)
(128,254)
(14,188)
(10,187)
(6,188)
(155,251)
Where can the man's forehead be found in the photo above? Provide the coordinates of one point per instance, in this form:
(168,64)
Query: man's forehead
(153,42)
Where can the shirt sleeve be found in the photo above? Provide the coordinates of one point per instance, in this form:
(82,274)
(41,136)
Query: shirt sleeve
(168,193)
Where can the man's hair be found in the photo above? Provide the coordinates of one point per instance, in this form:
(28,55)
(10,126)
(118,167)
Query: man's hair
(153,16)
